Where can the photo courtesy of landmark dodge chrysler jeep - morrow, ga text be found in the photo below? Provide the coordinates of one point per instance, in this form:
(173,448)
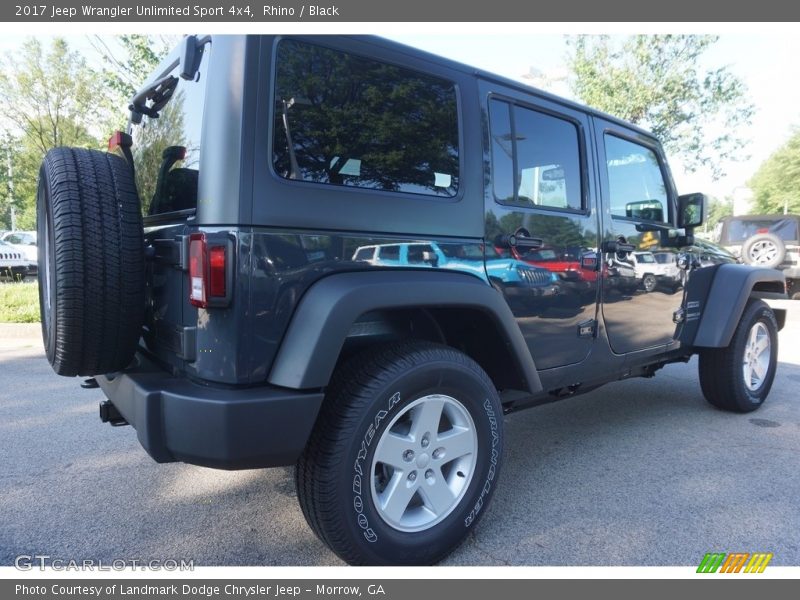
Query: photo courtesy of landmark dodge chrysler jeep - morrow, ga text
(215,273)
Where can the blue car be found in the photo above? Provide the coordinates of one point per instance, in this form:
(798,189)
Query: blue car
(513,277)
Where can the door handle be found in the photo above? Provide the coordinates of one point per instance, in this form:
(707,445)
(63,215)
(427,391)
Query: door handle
(618,246)
(521,238)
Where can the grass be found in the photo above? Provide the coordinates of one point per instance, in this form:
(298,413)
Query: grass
(19,302)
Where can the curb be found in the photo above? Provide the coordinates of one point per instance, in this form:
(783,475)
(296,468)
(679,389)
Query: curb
(20,331)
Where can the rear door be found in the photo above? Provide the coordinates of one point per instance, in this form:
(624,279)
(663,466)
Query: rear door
(540,197)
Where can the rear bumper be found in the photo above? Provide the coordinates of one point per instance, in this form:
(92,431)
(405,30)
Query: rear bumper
(178,420)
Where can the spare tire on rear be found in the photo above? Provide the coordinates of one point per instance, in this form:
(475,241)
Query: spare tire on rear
(91,261)
(764,250)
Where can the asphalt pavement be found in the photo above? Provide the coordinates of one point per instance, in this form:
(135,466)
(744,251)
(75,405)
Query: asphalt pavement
(640,472)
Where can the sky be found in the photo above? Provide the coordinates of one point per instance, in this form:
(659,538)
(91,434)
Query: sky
(766,62)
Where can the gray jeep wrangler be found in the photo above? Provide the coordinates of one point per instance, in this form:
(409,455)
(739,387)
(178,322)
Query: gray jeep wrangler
(205,274)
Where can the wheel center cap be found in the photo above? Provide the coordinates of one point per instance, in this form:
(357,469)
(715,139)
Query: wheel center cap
(423,460)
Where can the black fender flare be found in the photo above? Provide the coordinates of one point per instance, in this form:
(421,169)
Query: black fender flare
(730,289)
(315,336)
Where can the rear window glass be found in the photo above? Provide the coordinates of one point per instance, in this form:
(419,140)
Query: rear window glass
(364,254)
(346,120)
(739,230)
(544,150)
(166,149)
(389,253)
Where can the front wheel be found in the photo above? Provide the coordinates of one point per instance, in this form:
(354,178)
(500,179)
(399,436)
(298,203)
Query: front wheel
(404,457)
(739,377)
(649,283)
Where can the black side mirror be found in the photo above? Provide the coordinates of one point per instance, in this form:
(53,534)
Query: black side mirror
(691,211)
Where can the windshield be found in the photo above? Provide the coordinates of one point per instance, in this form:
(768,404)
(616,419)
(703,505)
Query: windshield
(645,258)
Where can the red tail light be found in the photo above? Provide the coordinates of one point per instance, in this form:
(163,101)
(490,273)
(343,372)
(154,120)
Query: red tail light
(216,271)
(207,271)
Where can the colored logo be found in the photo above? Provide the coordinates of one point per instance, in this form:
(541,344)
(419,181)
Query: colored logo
(735,562)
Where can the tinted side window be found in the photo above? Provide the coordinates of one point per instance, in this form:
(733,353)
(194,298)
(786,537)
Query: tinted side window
(347,120)
(636,185)
(419,253)
(389,253)
(538,163)
(364,254)
(166,149)
(502,151)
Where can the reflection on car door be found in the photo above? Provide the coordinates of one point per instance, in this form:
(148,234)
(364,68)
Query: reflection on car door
(539,211)
(638,201)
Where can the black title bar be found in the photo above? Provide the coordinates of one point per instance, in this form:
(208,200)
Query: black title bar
(205,11)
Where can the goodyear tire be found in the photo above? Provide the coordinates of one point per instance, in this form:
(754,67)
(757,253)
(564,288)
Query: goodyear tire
(738,378)
(404,456)
(91,261)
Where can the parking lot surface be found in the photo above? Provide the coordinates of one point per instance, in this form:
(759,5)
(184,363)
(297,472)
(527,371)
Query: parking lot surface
(640,472)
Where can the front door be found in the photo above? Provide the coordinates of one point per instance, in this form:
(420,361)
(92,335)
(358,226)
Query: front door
(540,223)
(641,287)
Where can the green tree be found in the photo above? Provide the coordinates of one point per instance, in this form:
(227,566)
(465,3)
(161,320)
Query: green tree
(48,98)
(335,107)
(716,209)
(776,183)
(129,60)
(655,81)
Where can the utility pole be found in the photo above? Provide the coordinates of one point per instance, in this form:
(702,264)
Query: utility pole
(10,190)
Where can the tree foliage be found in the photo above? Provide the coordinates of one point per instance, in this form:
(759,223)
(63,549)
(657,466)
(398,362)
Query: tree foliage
(129,60)
(49,97)
(655,81)
(776,183)
(400,127)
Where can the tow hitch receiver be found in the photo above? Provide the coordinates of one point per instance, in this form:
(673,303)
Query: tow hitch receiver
(110,414)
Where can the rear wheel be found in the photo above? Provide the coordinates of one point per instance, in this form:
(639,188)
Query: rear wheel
(404,456)
(91,261)
(739,377)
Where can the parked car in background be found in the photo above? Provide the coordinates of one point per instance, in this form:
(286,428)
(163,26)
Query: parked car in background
(12,262)
(771,241)
(514,278)
(653,272)
(567,264)
(25,243)
(669,262)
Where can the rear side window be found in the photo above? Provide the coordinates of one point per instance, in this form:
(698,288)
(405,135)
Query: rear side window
(389,253)
(347,120)
(364,254)
(419,254)
(535,158)
(166,148)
